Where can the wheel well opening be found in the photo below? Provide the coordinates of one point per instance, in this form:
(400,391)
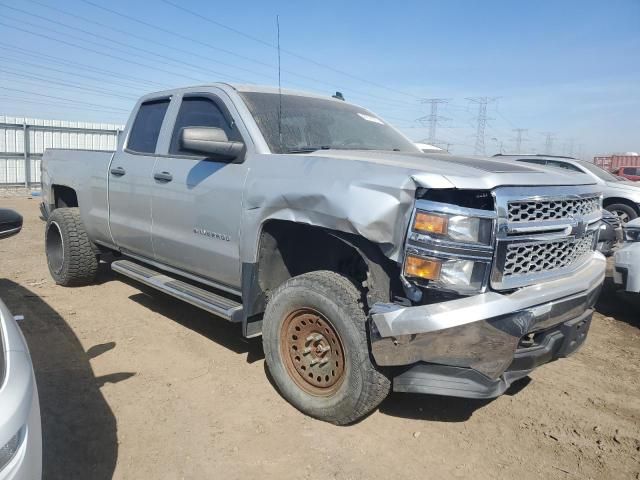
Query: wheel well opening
(64,197)
(613,200)
(289,249)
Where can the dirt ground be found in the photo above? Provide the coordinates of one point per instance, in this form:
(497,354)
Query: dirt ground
(135,385)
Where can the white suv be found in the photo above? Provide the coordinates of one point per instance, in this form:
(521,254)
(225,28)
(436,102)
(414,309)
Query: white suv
(620,196)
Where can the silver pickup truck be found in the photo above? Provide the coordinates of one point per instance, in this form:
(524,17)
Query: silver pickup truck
(365,264)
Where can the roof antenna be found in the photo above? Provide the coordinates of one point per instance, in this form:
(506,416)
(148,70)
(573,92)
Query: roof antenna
(279,87)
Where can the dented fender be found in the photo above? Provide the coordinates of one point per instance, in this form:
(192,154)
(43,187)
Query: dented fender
(372,201)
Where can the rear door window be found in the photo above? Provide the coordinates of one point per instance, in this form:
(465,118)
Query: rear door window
(146,127)
(200,112)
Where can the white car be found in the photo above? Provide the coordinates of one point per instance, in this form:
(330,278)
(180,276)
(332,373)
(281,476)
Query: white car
(20,429)
(627,258)
(620,197)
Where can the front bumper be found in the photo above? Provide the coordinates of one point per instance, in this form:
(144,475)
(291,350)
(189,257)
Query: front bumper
(482,334)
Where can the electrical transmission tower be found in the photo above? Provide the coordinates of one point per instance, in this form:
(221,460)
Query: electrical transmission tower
(433,118)
(569,147)
(548,143)
(519,139)
(482,121)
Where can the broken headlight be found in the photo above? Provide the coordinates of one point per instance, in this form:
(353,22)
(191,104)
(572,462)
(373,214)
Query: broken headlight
(455,228)
(449,247)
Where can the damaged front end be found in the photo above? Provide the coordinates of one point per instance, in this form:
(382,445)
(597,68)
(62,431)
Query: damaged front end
(499,282)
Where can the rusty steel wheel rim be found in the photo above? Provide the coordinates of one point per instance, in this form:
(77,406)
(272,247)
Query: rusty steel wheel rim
(312,352)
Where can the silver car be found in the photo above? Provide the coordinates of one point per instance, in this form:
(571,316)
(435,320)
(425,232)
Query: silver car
(621,197)
(20,430)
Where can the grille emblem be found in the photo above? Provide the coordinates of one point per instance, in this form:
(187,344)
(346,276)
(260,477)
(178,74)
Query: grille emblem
(578,227)
(542,233)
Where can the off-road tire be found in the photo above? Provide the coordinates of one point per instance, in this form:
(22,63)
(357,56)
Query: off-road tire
(363,385)
(71,257)
(624,209)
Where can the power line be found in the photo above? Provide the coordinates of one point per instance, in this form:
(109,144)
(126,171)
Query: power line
(43,82)
(22,62)
(126,60)
(75,65)
(193,67)
(100,91)
(500,114)
(56,104)
(568,147)
(288,52)
(500,144)
(71,100)
(118,58)
(146,39)
(519,139)
(433,118)
(481,121)
(229,52)
(548,143)
(176,34)
(86,67)
(188,65)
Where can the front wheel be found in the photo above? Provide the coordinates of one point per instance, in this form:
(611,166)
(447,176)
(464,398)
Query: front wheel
(623,212)
(315,343)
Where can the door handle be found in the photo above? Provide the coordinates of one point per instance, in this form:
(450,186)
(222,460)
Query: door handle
(163,176)
(118,171)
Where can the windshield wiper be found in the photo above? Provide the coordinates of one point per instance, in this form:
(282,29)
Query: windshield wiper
(308,149)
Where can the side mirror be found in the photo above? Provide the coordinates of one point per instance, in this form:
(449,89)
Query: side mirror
(10,222)
(210,141)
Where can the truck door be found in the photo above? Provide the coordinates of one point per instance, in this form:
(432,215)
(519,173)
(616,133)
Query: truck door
(197,202)
(632,173)
(131,180)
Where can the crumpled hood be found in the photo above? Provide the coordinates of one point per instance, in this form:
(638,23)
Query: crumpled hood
(369,193)
(461,172)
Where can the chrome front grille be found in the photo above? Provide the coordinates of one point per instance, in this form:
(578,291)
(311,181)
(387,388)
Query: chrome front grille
(523,259)
(556,209)
(543,233)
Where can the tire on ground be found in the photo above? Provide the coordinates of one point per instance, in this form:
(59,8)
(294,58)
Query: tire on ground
(71,256)
(363,386)
(621,207)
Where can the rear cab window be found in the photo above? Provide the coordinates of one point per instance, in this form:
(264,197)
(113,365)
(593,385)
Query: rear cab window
(146,127)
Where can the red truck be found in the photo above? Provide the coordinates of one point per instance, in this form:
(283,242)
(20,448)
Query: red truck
(627,166)
(630,173)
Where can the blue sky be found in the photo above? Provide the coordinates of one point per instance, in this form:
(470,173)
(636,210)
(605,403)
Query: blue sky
(567,67)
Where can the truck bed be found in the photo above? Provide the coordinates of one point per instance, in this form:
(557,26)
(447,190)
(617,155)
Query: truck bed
(86,172)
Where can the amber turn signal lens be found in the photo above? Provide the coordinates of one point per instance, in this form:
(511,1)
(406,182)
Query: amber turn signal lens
(426,268)
(430,223)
